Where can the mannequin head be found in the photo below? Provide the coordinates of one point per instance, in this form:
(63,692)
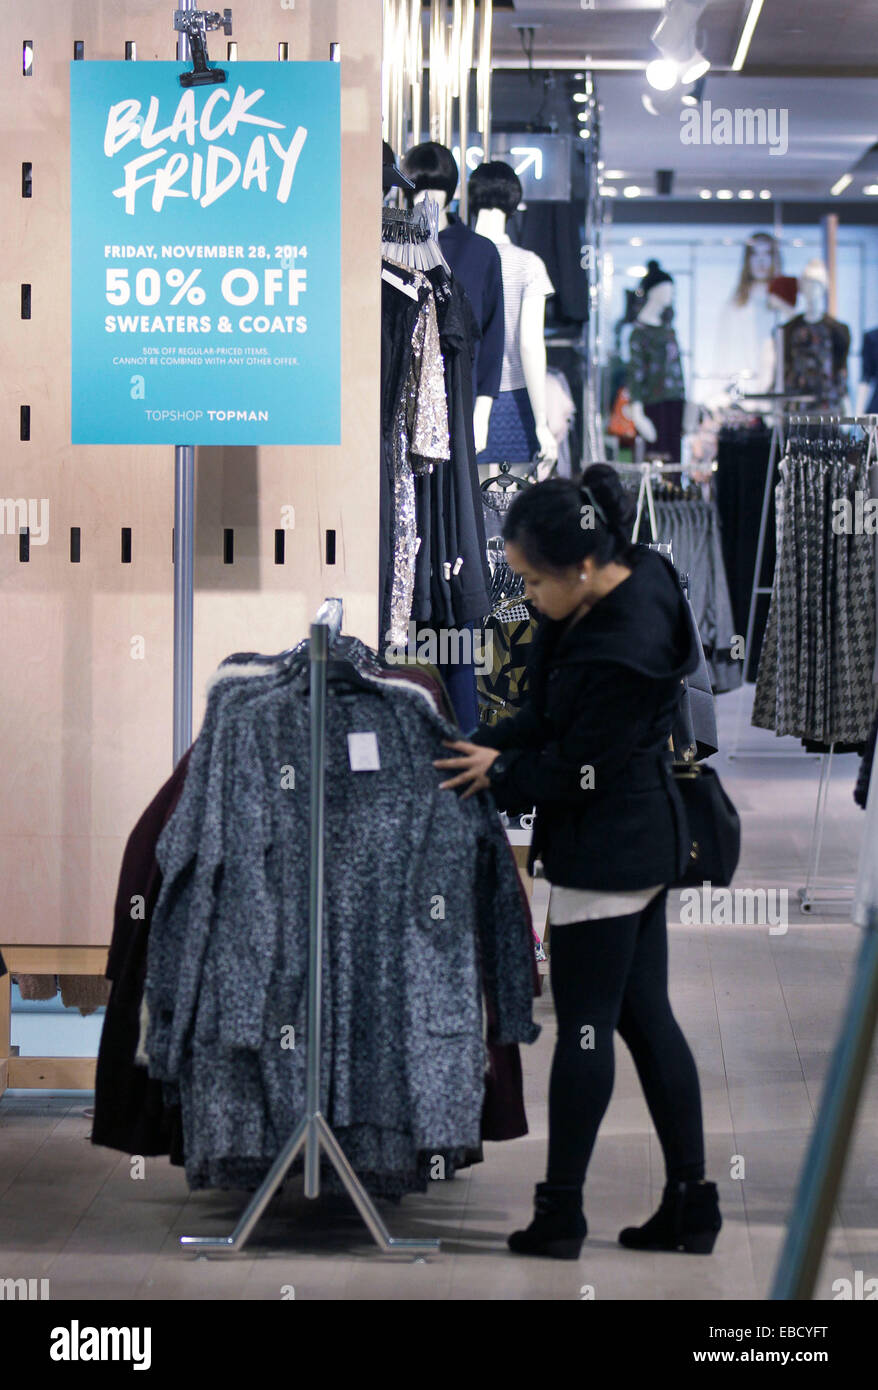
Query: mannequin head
(432,167)
(655,293)
(494,185)
(815,297)
(761,263)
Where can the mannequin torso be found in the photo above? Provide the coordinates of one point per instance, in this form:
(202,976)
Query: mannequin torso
(656,373)
(526,328)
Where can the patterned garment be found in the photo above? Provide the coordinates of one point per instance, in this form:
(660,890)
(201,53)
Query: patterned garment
(815,360)
(655,372)
(420,440)
(503,689)
(815,670)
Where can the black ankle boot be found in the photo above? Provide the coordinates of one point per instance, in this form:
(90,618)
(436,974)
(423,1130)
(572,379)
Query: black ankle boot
(558,1228)
(688,1219)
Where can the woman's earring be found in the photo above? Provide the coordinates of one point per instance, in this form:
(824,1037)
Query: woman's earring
(583,578)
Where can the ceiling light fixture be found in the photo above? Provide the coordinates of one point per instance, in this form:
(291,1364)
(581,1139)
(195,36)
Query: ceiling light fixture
(871,190)
(724,193)
(705,193)
(585,134)
(696,68)
(765,193)
(614,173)
(631,190)
(579,96)
(608,191)
(661,74)
(840,185)
(746,193)
(750,23)
(636,241)
(636,272)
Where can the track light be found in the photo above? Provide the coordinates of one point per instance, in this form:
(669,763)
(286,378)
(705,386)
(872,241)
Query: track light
(697,67)
(676,40)
(661,74)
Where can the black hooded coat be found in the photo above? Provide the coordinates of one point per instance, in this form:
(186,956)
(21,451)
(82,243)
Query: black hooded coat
(590,748)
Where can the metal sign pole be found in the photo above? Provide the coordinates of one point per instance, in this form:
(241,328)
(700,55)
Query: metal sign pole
(184,550)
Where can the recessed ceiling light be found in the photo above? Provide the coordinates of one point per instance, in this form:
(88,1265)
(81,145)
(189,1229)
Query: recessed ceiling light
(636,272)
(840,185)
(600,164)
(705,193)
(585,135)
(579,96)
(661,74)
(614,173)
(724,193)
(636,241)
(765,193)
(689,100)
(746,193)
(871,189)
(631,190)
(608,191)
(583,115)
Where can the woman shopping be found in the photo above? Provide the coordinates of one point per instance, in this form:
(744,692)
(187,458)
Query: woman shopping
(590,751)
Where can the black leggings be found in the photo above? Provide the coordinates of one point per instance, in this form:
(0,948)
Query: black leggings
(606,975)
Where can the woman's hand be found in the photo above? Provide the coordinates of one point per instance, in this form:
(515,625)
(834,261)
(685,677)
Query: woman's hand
(472,766)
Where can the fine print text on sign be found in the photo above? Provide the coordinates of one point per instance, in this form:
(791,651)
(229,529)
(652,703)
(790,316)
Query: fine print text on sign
(205,255)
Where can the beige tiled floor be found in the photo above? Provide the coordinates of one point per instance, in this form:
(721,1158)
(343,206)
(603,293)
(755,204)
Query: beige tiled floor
(761,1013)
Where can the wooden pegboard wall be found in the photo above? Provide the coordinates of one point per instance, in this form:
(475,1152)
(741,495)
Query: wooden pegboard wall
(85,724)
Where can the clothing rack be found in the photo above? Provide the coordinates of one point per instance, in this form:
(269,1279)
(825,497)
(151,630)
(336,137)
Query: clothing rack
(811,896)
(650,470)
(758,589)
(313,1131)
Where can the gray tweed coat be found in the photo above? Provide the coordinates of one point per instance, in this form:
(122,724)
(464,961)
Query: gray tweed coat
(422,903)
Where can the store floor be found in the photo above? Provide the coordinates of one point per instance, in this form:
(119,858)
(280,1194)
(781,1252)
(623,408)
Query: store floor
(761,1011)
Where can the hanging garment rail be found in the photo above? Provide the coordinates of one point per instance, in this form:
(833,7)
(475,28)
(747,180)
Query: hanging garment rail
(758,589)
(812,895)
(313,1131)
(649,470)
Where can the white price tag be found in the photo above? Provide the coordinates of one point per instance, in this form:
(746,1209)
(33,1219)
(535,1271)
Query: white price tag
(363,752)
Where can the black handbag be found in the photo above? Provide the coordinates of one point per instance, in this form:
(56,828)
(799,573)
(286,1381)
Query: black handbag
(712,823)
